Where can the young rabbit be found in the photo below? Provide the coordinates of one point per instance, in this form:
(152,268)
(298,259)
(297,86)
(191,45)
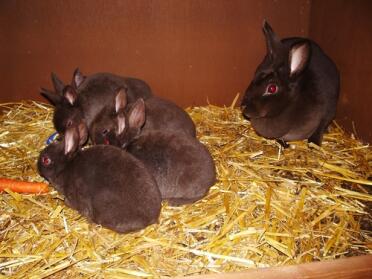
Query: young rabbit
(104,183)
(294,93)
(87,96)
(161,115)
(183,167)
(66,111)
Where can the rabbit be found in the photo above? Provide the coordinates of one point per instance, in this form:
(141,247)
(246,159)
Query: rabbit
(160,115)
(87,96)
(182,166)
(294,93)
(66,112)
(103,183)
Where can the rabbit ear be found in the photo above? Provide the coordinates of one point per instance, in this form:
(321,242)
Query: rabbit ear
(136,116)
(53,97)
(83,133)
(71,140)
(70,94)
(120,99)
(77,78)
(121,122)
(57,83)
(273,43)
(298,58)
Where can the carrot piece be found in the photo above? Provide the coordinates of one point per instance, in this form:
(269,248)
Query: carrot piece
(23,186)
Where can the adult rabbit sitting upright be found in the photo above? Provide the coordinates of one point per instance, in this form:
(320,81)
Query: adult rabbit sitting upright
(294,92)
(104,183)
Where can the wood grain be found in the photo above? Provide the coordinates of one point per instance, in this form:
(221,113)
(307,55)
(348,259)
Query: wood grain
(189,51)
(348,268)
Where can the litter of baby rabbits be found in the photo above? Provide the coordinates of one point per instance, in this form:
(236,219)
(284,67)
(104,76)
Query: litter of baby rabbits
(269,207)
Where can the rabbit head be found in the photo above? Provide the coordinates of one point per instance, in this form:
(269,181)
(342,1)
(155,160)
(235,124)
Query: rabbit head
(110,122)
(134,121)
(277,81)
(54,158)
(67,112)
(118,126)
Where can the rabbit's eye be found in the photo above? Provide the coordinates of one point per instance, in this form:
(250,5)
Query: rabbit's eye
(272,88)
(105,132)
(45,160)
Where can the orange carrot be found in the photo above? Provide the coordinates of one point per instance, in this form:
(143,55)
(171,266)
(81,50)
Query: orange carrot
(23,186)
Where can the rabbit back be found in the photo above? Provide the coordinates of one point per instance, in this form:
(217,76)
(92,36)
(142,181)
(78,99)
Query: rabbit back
(163,115)
(111,188)
(182,166)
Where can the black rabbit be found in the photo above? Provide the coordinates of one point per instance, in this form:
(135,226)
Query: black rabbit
(161,115)
(294,93)
(87,96)
(104,183)
(183,167)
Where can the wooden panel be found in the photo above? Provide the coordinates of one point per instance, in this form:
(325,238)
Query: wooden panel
(347,268)
(344,30)
(188,51)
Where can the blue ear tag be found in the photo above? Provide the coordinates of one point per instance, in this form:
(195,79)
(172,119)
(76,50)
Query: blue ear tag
(51,138)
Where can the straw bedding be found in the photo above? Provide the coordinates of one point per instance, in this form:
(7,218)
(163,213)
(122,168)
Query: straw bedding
(269,207)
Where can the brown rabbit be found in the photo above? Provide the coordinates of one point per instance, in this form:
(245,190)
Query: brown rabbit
(161,115)
(104,183)
(183,167)
(87,96)
(294,93)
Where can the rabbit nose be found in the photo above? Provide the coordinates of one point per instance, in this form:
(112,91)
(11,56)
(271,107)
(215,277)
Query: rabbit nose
(246,111)
(246,115)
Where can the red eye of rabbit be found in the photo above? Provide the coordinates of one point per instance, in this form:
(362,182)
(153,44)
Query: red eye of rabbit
(45,160)
(272,88)
(106,141)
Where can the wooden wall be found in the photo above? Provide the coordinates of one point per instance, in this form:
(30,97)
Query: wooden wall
(187,50)
(344,30)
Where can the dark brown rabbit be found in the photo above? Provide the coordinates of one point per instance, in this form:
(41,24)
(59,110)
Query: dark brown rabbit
(63,98)
(161,115)
(87,96)
(294,93)
(104,183)
(183,167)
